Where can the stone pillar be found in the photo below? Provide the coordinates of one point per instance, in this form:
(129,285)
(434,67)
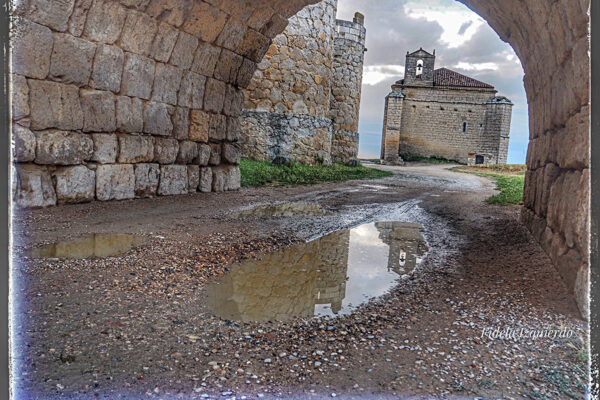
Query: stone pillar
(391,129)
(348,59)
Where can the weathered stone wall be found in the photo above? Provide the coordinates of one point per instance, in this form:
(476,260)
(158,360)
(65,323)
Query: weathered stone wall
(552,42)
(312,72)
(428,122)
(303,138)
(131,98)
(348,59)
(293,83)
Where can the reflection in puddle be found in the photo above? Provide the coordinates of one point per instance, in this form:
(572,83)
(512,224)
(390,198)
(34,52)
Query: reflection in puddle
(325,277)
(98,246)
(282,210)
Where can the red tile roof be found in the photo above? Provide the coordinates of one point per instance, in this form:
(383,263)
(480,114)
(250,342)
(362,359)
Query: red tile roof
(447,77)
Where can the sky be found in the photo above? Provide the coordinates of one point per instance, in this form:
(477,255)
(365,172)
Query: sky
(463,42)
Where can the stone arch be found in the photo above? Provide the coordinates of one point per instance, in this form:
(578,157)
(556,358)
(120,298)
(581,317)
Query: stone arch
(117,99)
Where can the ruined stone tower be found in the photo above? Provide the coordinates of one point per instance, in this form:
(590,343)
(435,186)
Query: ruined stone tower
(303,101)
(441,113)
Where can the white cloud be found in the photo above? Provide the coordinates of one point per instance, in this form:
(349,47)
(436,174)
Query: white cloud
(374,74)
(485,66)
(458,24)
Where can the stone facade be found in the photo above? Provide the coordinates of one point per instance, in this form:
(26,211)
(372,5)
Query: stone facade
(303,101)
(440,113)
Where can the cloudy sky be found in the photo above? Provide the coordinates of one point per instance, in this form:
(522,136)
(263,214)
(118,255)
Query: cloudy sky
(463,41)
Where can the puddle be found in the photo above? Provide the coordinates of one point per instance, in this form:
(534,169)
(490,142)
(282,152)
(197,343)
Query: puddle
(282,210)
(94,246)
(328,276)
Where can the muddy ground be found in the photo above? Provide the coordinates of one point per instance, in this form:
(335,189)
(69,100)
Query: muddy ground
(135,326)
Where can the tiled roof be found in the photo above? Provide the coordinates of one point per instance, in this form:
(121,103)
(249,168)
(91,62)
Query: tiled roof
(447,77)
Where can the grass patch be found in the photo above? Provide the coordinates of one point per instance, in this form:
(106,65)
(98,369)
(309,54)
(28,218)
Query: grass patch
(260,173)
(431,160)
(510,185)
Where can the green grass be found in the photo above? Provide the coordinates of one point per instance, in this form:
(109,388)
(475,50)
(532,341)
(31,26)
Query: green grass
(431,160)
(510,187)
(260,173)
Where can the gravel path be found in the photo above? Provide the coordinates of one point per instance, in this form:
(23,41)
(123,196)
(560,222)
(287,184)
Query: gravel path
(136,326)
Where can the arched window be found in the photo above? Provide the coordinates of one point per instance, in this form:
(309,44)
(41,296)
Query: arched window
(419,71)
(464,127)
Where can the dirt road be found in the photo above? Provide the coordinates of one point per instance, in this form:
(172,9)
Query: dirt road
(136,325)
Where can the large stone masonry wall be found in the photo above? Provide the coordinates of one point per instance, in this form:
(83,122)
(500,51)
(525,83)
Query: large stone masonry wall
(287,106)
(348,59)
(432,120)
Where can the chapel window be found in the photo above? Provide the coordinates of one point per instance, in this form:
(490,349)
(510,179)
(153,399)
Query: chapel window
(464,127)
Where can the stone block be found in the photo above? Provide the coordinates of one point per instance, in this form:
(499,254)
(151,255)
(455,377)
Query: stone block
(218,127)
(62,148)
(129,114)
(138,33)
(108,68)
(220,180)
(169,11)
(34,186)
(165,150)
(232,34)
(206,177)
(234,177)
(98,111)
(71,60)
(105,20)
(164,42)
(106,147)
(191,93)
(199,125)
(205,59)
(51,13)
(188,152)
(234,129)
(184,50)
(245,73)
(54,105)
(20,97)
(214,96)
(203,155)
(231,153)
(166,83)
(157,118)
(254,46)
(138,76)
(115,182)
(234,100)
(23,144)
(135,149)
(173,180)
(78,17)
(31,49)
(181,123)
(215,154)
(75,184)
(228,66)
(146,179)
(204,21)
(193,178)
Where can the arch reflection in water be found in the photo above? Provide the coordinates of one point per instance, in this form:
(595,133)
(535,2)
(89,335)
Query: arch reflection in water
(93,246)
(325,277)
